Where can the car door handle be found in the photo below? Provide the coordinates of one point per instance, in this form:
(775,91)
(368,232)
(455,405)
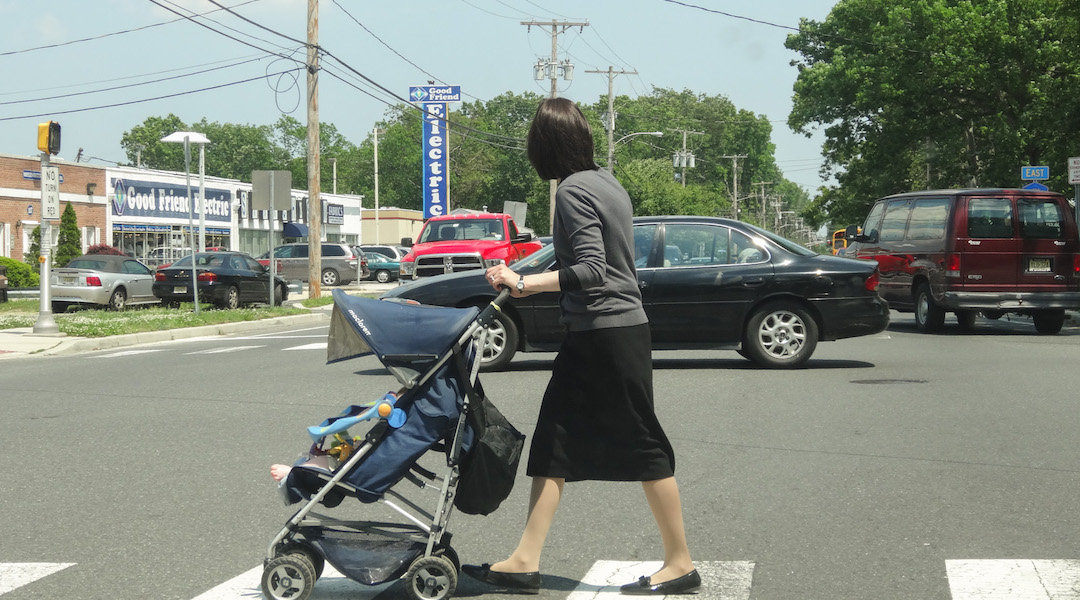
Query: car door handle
(641,284)
(753,281)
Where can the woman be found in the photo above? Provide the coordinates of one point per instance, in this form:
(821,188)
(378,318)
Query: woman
(597,420)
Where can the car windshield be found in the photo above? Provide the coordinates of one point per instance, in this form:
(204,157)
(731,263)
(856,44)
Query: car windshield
(84,263)
(786,244)
(541,259)
(464,229)
(201,260)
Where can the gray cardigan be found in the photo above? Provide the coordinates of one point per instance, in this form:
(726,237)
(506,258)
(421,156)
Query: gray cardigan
(594,243)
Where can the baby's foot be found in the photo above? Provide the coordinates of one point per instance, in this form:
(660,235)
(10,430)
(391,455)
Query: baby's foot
(279,472)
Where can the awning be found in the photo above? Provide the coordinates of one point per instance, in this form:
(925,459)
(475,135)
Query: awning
(294,230)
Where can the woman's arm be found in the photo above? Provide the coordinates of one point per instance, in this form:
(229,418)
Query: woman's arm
(501,275)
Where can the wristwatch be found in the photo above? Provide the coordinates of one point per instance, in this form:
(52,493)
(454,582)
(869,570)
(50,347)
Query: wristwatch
(521,283)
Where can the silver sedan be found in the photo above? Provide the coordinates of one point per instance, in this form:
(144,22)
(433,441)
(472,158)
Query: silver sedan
(101,280)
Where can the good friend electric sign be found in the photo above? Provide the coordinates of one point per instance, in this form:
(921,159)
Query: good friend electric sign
(433,100)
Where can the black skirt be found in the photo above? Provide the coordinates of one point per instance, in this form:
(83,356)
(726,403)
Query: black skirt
(597,419)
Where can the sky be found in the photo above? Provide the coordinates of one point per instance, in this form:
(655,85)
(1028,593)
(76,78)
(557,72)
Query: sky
(103,67)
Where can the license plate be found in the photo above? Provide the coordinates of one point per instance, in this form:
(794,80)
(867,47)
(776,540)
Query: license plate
(1038,265)
(179,289)
(67,280)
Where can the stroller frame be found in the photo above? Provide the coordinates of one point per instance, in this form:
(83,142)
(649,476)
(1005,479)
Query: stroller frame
(293,563)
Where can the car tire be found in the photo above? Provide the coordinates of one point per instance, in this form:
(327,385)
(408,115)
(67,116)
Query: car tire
(60,307)
(929,317)
(279,295)
(993,315)
(118,299)
(780,335)
(502,343)
(330,277)
(966,319)
(382,276)
(1049,322)
(231,300)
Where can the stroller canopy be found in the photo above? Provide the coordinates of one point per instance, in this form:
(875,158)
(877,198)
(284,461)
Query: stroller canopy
(407,338)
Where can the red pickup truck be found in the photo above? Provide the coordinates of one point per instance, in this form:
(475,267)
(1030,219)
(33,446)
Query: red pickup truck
(453,243)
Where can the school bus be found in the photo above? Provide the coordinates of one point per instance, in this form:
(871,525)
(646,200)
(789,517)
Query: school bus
(838,241)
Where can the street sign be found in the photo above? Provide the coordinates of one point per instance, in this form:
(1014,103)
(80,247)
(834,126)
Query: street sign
(1074,170)
(1035,185)
(50,193)
(1034,173)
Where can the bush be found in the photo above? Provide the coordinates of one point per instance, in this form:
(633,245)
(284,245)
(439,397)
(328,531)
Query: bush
(19,274)
(104,249)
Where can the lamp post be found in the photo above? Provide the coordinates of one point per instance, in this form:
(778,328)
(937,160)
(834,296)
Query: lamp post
(186,137)
(611,148)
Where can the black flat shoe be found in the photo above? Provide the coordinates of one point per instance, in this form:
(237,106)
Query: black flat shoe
(687,584)
(524,583)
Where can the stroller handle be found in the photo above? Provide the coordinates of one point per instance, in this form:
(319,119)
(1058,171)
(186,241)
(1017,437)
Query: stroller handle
(488,314)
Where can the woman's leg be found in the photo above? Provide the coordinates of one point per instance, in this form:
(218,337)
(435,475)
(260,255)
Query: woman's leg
(543,500)
(663,497)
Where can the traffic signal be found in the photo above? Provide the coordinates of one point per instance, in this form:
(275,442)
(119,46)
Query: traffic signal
(48,137)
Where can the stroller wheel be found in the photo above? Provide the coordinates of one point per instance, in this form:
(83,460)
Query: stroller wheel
(288,577)
(451,554)
(431,578)
(313,557)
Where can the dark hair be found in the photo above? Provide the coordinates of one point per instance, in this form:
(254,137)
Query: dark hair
(560,142)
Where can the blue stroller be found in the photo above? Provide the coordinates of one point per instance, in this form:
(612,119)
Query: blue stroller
(432,351)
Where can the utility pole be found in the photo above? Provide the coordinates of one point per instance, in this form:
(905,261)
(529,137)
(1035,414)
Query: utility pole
(375,135)
(683,158)
(314,216)
(550,71)
(762,184)
(734,182)
(610,124)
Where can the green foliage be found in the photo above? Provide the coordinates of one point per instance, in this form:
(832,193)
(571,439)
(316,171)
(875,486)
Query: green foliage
(937,94)
(20,274)
(69,242)
(34,251)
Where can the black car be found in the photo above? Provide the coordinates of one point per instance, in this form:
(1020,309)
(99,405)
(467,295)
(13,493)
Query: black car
(227,279)
(705,283)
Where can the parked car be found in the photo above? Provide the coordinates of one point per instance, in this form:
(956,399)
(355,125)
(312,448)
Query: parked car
(392,252)
(774,307)
(994,251)
(163,256)
(339,262)
(102,280)
(227,279)
(383,269)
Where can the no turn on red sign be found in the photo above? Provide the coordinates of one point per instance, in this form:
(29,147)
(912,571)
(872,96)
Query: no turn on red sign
(1074,170)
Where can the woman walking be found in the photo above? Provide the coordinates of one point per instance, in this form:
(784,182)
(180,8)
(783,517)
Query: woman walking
(597,420)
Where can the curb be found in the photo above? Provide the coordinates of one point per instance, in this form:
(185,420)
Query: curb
(146,337)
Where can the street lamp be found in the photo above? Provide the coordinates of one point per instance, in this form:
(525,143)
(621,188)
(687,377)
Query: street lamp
(611,147)
(186,137)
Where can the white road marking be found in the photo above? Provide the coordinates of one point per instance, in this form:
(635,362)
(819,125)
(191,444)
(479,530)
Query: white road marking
(221,350)
(315,346)
(15,575)
(1014,579)
(126,353)
(331,586)
(719,579)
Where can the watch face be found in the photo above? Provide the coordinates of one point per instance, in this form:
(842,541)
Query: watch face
(521,284)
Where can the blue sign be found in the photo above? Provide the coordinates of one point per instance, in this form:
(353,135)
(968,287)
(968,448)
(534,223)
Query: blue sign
(435,93)
(435,183)
(153,199)
(1035,185)
(1034,173)
(36,175)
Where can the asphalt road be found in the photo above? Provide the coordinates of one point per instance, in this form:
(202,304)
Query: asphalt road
(866,475)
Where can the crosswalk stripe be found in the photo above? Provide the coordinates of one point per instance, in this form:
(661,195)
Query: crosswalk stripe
(1014,579)
(15,575)
(221,350)
(127,353)
(719,579)
(331,586)
(316,346)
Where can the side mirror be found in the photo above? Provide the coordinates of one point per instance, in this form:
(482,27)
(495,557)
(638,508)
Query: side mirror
(852,234)
(407,242)
(522,238)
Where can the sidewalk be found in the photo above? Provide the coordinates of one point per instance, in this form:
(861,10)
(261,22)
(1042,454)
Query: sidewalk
(23,341)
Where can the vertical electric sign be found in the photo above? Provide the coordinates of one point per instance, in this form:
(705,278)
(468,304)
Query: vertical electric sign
(433,100)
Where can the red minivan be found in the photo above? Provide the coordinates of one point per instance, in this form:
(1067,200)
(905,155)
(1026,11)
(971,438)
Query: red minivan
(989,251)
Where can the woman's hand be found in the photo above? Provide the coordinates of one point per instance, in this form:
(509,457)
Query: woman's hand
(502,275)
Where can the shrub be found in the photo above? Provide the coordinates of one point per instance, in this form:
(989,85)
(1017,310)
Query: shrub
(104,249)
(19,274)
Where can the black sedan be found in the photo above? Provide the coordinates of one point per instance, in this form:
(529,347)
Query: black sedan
(227,279)
(705,283)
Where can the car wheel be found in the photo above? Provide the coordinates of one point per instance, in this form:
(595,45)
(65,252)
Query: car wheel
(780,335)
(279,295)
(1049,321)
(60,307)
(231,299)
(966,319)
(382,276)
(118,299)
(993,315)
(929,317)
(501,345)
(329,277)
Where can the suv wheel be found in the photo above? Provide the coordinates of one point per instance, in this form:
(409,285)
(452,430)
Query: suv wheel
(929,317)
(1049,321)
(329,277)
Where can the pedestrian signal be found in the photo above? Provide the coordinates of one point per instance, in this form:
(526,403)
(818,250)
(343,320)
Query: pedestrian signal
(48,137)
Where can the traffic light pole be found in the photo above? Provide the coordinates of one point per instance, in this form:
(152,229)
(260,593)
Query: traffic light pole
(45,324)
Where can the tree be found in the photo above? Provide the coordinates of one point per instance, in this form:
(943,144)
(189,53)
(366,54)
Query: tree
(34,251)
(936,94)
(69,242)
